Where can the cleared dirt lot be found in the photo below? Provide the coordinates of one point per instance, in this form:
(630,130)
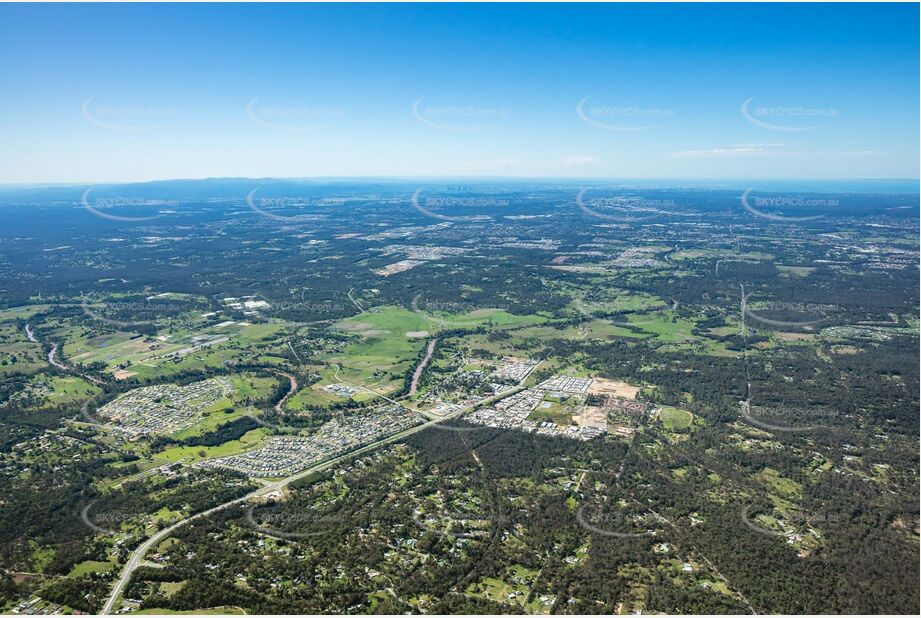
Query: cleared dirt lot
(601,386)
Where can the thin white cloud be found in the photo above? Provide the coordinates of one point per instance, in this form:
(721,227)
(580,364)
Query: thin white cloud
(861,153)
(769,150)
(738,150)
(761,146)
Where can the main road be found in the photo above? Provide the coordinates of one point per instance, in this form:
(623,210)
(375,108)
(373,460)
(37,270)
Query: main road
(137,556)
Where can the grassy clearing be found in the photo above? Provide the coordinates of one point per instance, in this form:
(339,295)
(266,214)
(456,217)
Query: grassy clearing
(724,254)
(17,353)
(675,419)
(798,271)
(677,333)
(171,351)
(512,589)
(480,317)
(71,389)
(383,347)
(91,566)
(618,300)
(778,484)
(216,414)
(41,556)
(21,313)
(250,440)
(665,326)
(554,412)
(314,396)
(387,321)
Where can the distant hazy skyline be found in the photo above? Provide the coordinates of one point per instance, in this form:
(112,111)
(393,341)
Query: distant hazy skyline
(119,93)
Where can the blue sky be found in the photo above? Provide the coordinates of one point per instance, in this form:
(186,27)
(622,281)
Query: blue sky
(102,93)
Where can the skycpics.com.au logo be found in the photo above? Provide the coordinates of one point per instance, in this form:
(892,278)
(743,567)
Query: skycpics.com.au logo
(786,419)
(808,315)
(763,206)
(266,206)
(449,203)
(124,117)
(617,525)
(286,525)
(622,117)
(101,204)
(789,527)
(459,525)
(107,523)
(291,117)
(457,117)
(620,208)
(101,310)
(787,117)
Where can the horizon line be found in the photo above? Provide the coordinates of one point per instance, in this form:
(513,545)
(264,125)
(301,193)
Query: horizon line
(383,177)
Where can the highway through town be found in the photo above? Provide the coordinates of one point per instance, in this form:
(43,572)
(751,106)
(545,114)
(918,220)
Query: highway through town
(271,487)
